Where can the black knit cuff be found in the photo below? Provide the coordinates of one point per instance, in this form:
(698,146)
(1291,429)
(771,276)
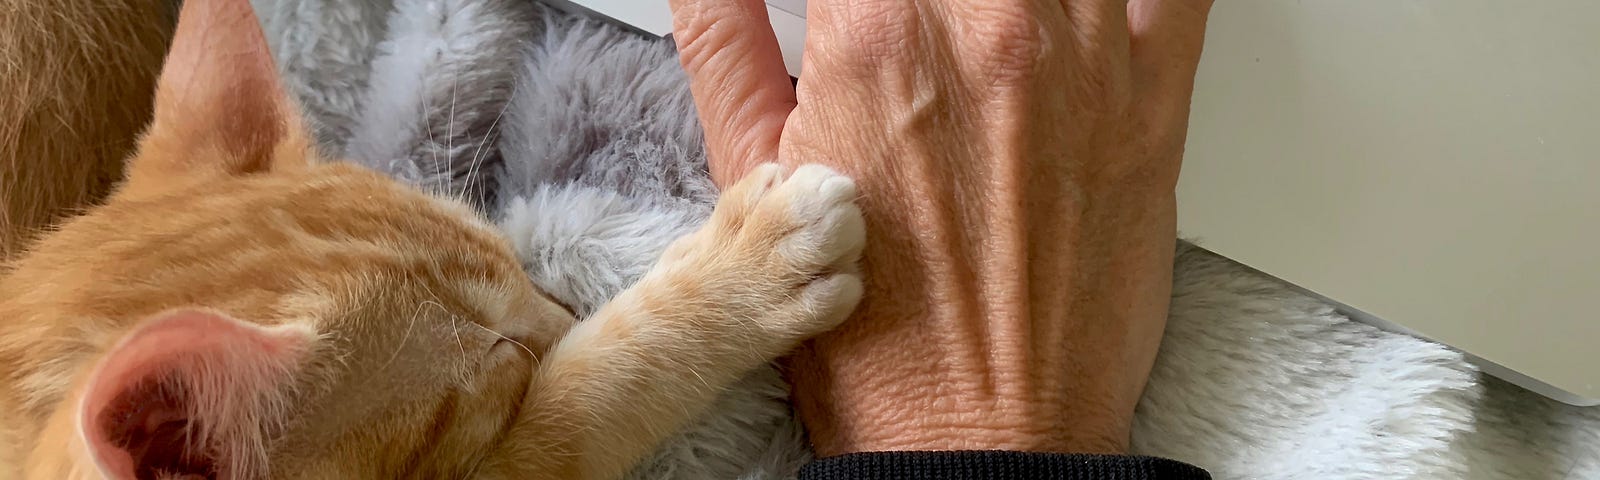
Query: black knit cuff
(997,465)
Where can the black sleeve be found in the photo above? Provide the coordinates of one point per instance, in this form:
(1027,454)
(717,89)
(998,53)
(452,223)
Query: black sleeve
(997,465)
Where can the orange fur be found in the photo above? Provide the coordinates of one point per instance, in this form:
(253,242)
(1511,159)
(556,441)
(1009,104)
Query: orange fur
(78,77)
(241,309)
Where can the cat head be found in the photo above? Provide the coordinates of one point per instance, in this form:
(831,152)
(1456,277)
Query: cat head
(239,308)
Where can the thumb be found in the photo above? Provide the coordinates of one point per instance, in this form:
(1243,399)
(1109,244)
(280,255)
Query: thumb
(736,73)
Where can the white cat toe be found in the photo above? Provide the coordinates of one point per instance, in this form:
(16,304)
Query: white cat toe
(829,229)
(829,300)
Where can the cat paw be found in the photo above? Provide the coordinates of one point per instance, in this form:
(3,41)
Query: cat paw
(791,240)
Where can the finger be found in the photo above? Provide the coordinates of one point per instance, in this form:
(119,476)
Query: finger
(1167,40)
(1103,24)
(741,89)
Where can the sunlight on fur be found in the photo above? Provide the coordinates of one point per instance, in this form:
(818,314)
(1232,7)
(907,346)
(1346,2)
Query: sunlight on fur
(240,308)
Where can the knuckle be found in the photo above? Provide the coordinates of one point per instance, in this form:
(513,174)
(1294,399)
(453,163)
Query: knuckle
(866,38)
(1005,42)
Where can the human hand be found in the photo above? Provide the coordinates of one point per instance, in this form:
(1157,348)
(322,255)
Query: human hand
(1017,161)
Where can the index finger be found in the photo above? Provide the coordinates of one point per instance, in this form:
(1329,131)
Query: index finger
(736,72)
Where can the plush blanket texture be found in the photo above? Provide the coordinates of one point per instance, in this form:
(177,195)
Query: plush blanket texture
(580,139)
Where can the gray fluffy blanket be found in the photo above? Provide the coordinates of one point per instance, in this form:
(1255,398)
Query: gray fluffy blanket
(581,141)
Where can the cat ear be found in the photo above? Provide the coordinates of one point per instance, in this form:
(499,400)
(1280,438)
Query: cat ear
(220,106)
(187,393)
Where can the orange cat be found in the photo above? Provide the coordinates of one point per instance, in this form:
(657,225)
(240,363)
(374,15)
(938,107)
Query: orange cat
(77,77)
(239,310)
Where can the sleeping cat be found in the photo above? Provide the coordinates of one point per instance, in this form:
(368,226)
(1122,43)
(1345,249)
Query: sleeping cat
(239,309)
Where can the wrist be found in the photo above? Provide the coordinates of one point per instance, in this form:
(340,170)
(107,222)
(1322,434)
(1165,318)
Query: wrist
(964,432)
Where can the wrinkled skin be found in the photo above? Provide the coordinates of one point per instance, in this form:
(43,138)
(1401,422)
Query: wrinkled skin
(1017,161)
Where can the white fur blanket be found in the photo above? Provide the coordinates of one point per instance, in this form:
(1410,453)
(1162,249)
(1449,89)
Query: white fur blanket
(582,141)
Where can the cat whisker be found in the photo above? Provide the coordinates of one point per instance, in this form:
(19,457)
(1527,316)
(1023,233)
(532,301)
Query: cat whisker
(467,373)
(456,328)
(508,339)
(479,155)
(450,140)
(433,149)
(405,337)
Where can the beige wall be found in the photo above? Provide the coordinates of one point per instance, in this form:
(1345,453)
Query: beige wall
(1435,163)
